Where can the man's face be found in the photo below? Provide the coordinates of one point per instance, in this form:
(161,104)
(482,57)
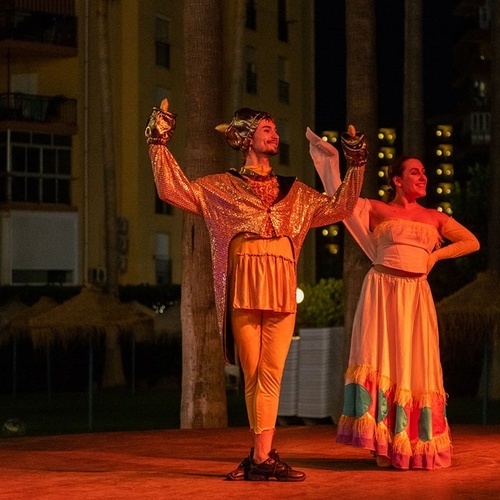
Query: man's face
(265,140)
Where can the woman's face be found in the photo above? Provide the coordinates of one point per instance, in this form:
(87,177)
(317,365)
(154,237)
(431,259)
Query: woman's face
(412,181)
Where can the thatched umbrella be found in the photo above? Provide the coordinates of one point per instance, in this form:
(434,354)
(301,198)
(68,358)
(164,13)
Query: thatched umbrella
(89,315)
(19,326)
(168,322)
(91,312)
(470,319)
(147,311)
(8,311)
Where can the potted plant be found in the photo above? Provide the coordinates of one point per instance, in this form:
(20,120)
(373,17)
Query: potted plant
(323,304)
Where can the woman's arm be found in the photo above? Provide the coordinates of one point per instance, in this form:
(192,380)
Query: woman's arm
(326,161)
(462,243)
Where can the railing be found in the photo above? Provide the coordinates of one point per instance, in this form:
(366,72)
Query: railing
(37,108)
(63,7)
(38,26)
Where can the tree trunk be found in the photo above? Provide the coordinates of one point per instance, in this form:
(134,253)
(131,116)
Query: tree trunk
(362,112)
(493,242)
(113,368)
(203,378)
(238,70)
(494,184)
(413,112)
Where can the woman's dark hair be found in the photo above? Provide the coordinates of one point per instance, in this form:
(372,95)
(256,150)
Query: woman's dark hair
(396,168)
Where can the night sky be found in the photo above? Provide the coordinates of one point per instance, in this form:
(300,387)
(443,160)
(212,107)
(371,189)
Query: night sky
(439,27)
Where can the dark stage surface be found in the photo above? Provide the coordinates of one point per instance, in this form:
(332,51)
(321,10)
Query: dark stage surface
(191,464)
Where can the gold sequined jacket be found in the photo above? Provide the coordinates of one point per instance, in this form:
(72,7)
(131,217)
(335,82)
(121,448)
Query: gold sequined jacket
(230,207)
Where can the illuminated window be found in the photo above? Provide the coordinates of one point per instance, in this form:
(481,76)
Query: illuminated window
(445,169)
(445,207)
(387,136)
(330,136)
(444,131)
(444,188)
(444,151)
(386,153)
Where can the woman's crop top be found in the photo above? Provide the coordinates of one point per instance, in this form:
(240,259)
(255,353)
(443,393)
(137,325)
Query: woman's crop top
(405,244)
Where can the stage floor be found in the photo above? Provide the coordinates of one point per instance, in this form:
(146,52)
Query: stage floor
(191,464)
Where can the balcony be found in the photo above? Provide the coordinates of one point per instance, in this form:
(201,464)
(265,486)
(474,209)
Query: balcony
(38,27)
(51,114)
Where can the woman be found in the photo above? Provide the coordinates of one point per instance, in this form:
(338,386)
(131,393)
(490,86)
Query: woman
(394,402)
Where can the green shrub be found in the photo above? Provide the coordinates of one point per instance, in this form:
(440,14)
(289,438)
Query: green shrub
(323,304)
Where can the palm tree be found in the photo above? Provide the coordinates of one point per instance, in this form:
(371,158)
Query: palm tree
(494,195)
(237,67)
(361,88)
(473,311)
(203,379)
(114,375)
(413,113)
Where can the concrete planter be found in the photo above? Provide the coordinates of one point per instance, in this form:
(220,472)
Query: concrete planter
(313,373)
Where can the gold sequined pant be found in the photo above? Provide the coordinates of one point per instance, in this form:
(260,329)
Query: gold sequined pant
(262,341)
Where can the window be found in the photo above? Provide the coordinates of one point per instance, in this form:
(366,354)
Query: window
(35,168)
(480,123)
(485,15)
(282,21)
(42,247)
(163,262)
(251,74)
(162,207)
(284,151)
(162,93)
(480,92)
(283,81)
(162,42)
(251,15)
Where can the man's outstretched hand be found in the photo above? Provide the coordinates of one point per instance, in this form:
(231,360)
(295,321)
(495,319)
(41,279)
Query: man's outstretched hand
(164,105)
(161,124)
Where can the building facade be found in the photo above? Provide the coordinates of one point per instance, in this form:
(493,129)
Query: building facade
(52,225)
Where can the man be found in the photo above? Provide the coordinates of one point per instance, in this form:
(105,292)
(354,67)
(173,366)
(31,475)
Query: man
(257,223)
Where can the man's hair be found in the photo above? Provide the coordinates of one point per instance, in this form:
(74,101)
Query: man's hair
(242,127)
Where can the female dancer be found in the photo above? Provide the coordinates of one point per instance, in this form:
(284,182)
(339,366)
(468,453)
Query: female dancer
(394,401)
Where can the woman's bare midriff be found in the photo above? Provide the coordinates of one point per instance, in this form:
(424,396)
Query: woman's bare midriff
(395,272)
